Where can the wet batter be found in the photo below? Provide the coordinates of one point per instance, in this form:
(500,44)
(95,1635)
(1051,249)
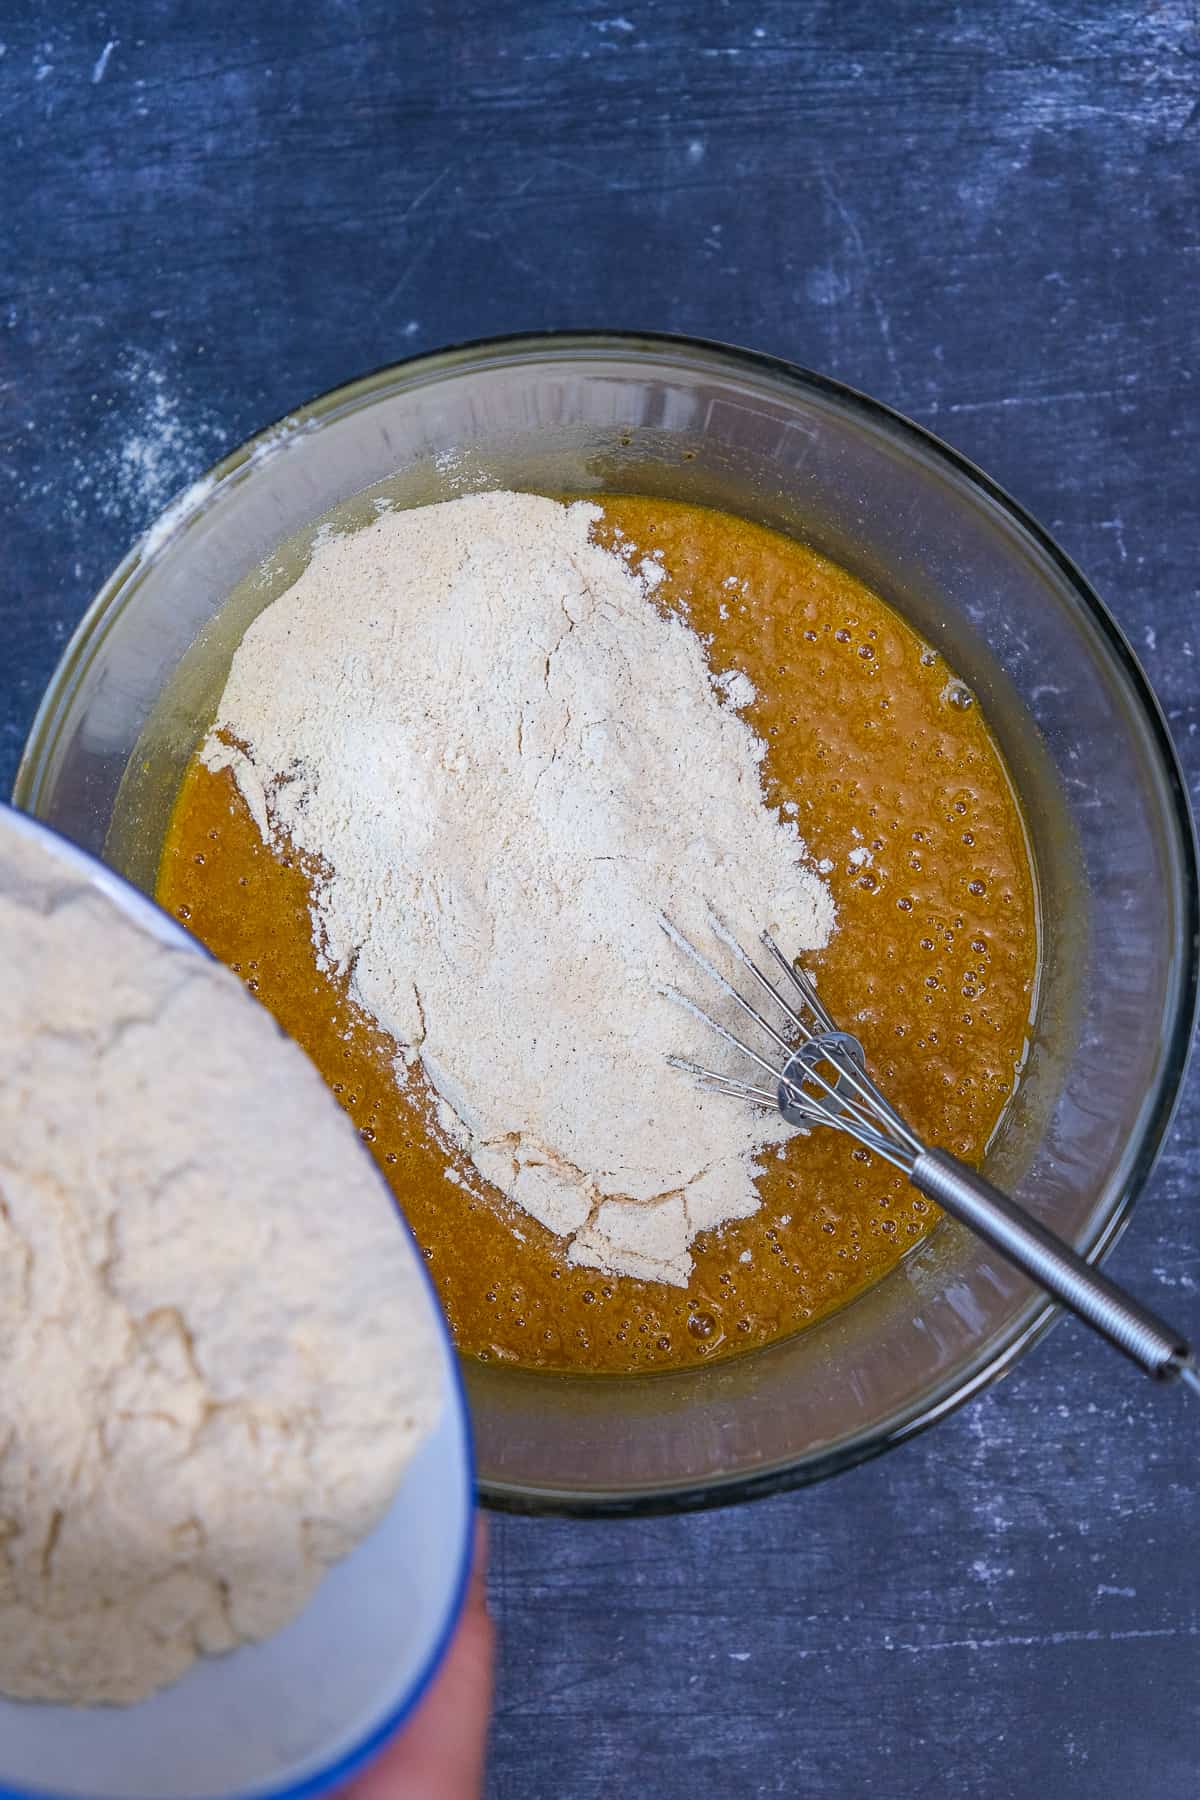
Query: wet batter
(898,787)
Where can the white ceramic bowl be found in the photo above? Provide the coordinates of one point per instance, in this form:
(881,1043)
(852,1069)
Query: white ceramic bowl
(298,1714)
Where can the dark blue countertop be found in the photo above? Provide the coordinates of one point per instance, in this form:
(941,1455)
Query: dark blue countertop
(985,215)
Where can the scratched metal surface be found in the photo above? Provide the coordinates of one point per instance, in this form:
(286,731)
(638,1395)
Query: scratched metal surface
(985,215)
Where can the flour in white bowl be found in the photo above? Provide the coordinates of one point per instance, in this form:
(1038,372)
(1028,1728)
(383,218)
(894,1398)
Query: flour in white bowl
(507,762)
(219,1353)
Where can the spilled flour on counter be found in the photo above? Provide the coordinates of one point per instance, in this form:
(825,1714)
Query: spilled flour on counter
(506,762)
(214,1378)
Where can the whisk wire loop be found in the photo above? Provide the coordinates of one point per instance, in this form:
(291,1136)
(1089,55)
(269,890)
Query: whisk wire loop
(850,1101)
(822,1079)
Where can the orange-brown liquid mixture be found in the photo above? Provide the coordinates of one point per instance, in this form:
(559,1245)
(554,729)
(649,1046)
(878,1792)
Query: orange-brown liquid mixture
(932,965)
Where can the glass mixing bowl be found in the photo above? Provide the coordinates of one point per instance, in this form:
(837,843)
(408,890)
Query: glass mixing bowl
(1102,795)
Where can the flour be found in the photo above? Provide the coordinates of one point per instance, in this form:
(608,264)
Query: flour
(147,443)
(218,1350)
(507,762)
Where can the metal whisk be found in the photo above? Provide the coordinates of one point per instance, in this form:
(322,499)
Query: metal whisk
(817,1075)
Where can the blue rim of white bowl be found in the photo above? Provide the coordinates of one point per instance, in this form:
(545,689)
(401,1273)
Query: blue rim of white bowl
(146,912)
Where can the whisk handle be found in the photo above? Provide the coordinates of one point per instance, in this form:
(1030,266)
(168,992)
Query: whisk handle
(1038,1253)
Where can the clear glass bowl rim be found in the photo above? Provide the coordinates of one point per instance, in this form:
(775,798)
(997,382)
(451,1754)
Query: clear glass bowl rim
(668,349)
